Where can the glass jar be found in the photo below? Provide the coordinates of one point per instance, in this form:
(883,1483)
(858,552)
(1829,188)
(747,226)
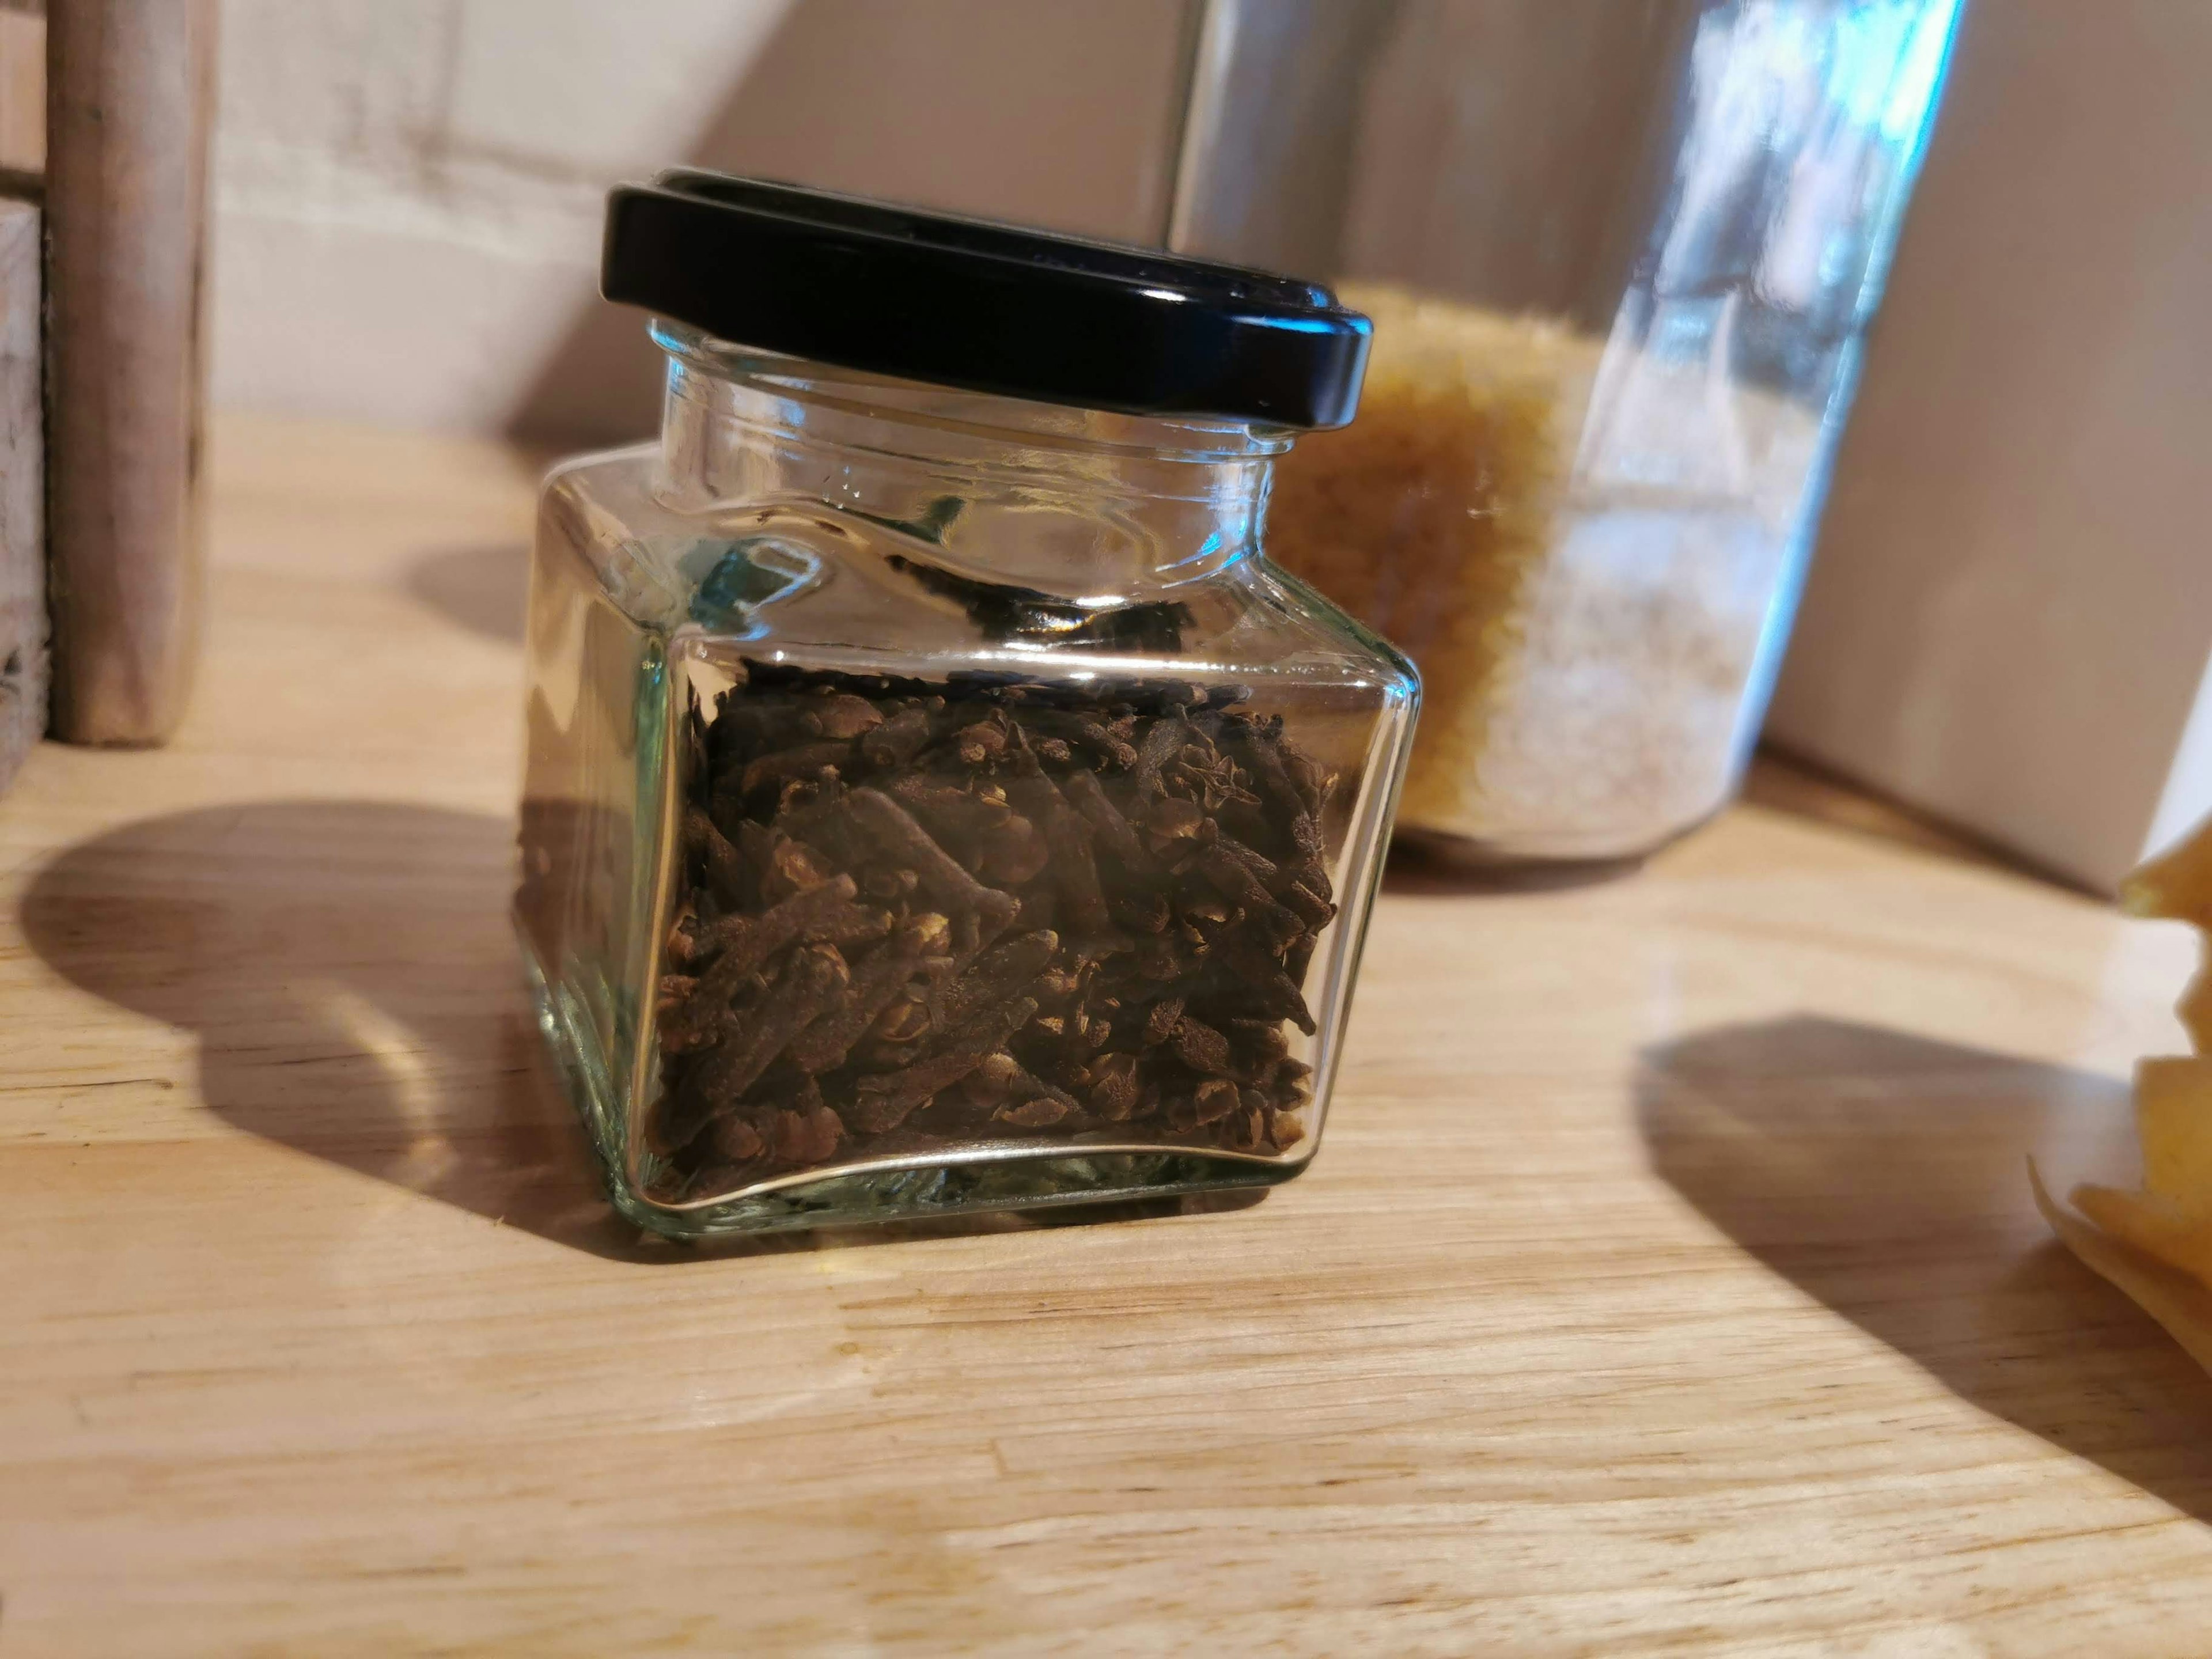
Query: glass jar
(934,801)
(1621,258)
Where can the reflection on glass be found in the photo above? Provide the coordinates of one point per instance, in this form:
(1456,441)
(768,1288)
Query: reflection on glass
(1621,259)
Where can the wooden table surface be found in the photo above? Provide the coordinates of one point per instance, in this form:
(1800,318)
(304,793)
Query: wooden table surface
(1668,1282)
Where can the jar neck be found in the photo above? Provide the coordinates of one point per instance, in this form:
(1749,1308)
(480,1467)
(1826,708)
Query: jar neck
(1080,504)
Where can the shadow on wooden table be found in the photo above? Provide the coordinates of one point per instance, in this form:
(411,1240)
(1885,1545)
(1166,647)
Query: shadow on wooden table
(1884,1173)
(349,969)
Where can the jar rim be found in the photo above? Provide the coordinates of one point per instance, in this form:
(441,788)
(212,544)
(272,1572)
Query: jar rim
(982,307)
(990,416)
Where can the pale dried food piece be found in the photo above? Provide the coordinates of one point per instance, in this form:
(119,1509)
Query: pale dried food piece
(2177,1300)
(2156,1244)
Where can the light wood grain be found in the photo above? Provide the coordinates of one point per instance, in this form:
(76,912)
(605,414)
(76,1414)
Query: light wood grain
(22,490)
(130,103)
(1668,1282)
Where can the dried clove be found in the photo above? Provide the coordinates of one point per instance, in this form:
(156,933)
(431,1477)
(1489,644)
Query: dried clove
(1202,1048)
(842,715)
(998,975)
(919,914)
(910,847)
(1160,1025)
(885,1098)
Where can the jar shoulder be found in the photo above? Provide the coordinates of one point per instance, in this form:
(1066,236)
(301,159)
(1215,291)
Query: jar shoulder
(596,502)
(802,578)
(1329,631)
(600,513)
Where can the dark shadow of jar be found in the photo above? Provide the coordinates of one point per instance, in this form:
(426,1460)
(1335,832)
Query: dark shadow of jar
(349,969)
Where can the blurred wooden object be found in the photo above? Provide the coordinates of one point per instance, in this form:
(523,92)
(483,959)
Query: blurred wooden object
(23,92)
(130,102)
(22,419)
(1668,1282)
(22,493)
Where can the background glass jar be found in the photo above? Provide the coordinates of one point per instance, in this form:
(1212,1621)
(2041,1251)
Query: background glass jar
(1620,256)
(934,801)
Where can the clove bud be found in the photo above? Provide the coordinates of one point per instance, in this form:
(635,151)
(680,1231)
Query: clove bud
(911,915)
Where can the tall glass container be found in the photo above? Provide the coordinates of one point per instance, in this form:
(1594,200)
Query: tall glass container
(934,800)
(1621,256)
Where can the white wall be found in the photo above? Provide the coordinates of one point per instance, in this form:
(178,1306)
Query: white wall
(408,192)
(2009,620)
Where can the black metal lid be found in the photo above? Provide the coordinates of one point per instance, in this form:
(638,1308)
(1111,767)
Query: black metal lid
(987,308)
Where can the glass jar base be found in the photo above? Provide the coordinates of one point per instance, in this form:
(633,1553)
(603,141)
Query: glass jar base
(962,1185)
(970,1182)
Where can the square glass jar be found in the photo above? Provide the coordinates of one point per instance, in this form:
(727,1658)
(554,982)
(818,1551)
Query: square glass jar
(934,800)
